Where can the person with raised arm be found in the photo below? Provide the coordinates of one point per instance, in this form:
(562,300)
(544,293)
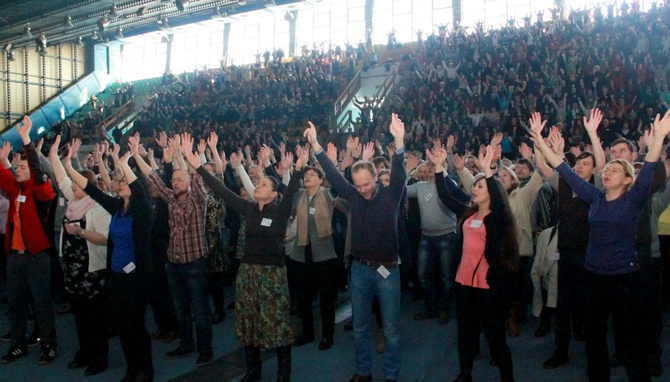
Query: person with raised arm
(374,247)
(489,262)
(262,303)
(612,265)
(27,246)
(83,249)
(128,263)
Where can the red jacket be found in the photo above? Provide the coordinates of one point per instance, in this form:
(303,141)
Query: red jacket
(34,237)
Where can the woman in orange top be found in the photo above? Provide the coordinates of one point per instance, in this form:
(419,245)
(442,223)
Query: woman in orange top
(486,273)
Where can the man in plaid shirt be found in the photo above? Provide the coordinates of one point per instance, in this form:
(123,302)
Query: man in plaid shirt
(187,250)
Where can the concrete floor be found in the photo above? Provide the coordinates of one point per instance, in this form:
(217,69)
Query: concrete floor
(428,354)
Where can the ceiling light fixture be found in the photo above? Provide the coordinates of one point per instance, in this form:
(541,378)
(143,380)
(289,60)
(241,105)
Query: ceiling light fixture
(8,47)
(79,42)
(216,13)
(242,2)
(41,42)
(113,12)
(103,23)
(11,56)
(119,33)
(181,5)
(141,12)
(68,22)
(26,31)
(94,35)
(163,24)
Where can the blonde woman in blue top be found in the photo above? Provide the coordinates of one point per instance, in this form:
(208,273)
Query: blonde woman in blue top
(612,265)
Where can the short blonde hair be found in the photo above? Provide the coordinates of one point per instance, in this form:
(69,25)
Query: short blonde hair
(628,170)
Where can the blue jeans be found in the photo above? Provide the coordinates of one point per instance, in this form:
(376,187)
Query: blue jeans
(188,285)
(366,283)
(437,252)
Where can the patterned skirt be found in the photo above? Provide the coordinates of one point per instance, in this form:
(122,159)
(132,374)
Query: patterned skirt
(263,306)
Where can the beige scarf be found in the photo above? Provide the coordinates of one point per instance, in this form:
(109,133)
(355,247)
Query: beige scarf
(322,216)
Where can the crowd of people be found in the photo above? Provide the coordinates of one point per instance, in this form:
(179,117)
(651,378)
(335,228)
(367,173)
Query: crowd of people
(514,179)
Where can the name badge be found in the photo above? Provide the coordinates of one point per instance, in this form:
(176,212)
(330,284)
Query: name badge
(61,202)
(476,223)
(21,198)
(266,222)
(553,256)
(429,197)
(312,210)
(129,268)
(383,271)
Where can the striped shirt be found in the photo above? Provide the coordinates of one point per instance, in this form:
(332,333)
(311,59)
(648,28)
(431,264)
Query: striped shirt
(187,219)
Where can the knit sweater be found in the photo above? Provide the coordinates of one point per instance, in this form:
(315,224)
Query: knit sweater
(613,224)
(374,222)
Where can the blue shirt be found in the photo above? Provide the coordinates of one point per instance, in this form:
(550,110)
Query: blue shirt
(121,235)
(613,224)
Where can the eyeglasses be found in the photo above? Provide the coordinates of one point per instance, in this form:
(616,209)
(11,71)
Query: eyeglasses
(175,180)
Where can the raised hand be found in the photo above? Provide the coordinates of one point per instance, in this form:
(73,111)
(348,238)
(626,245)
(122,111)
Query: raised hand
(368,151)
(311,136)
(75,144)
(303,157)
(186,143)
(286,161)
(437,144)
(358,151)
(24,128)
(162,139)
(53,152)
(235,160)
(347,161)
(450,143)
(459,162)
(133,145)
(437,157)
(411,162)
(397,129)
(141,150)
(390,149)
(485,160)
(114,152)
(537,125)
(331,152)
(591,124)
(192,158)
(212,141)
(201,146)
(575,150)
(525,151)
(39,144)
(4,151)
(661,126)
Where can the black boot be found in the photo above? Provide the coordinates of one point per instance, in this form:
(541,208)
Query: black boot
(284,363)
(254,365)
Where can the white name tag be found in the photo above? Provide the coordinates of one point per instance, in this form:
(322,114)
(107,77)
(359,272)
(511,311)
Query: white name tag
(129,268)
(312,210)
(21,198)
(61,202)
(383,271)
(476,223)
(553,256)
(266,222)
(429,197)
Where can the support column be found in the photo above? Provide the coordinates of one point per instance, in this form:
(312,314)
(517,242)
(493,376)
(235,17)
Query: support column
(458,12)
(369,27)
(291,18)
(226,39)
(560,11)
(168,53)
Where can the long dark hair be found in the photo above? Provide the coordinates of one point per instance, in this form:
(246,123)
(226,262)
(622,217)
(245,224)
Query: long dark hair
(509,250)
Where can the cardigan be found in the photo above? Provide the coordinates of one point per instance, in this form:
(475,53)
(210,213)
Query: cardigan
(374,222)
(140,209)
(500,280)
(264,229)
